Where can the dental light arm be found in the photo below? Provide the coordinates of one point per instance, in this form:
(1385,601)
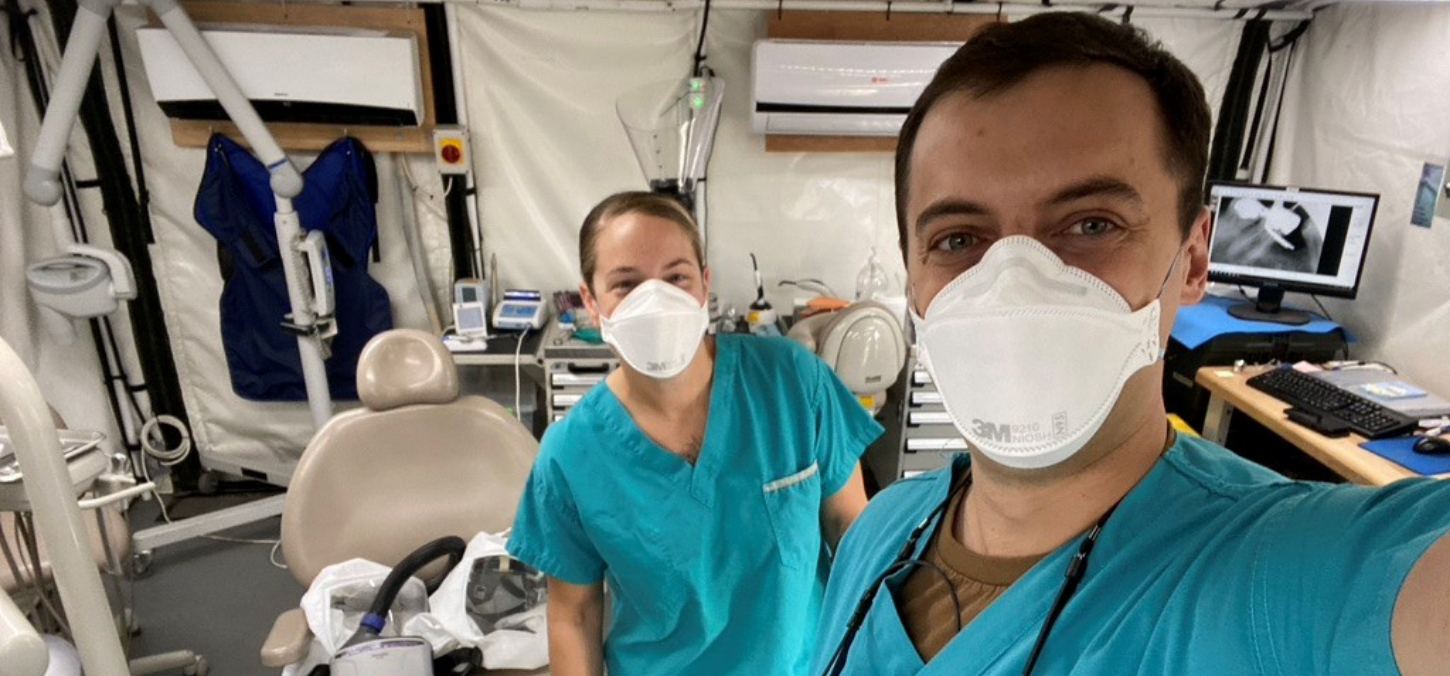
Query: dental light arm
(42,184)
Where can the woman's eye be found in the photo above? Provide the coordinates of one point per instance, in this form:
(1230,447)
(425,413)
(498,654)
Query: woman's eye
(1092,227)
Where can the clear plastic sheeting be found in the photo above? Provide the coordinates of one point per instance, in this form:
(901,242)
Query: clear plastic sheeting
(540,89)
(1366,107)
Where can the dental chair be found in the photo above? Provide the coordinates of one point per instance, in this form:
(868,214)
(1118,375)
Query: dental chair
(415,463)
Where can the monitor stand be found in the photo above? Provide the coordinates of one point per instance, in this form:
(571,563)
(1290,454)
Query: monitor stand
(1269,308)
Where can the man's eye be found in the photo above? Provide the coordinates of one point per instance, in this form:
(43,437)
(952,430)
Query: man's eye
(954,242)
(1092,227)
(623,286)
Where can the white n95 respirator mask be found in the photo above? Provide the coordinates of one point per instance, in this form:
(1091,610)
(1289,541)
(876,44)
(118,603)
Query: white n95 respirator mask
(1030,354)
(656,329)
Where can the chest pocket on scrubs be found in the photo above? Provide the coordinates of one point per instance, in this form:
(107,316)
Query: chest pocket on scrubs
(794,505)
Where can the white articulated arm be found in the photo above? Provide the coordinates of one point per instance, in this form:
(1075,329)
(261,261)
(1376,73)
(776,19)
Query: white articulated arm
(22,651)
(42,184)
(58,518)
(286,181)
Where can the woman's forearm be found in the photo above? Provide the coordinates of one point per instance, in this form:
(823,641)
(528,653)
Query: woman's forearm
(576,630)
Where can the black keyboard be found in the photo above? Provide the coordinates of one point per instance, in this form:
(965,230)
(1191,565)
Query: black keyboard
(1326,400)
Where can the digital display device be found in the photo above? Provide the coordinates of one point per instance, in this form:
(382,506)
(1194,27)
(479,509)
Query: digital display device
(1288,239)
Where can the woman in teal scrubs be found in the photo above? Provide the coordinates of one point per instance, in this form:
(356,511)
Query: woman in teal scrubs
(706,498)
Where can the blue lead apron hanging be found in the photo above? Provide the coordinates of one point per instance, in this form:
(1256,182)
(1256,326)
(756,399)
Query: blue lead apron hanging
(235,204)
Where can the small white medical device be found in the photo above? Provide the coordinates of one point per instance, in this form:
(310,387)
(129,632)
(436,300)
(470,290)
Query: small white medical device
(470,308)
(85,282)
(521,310)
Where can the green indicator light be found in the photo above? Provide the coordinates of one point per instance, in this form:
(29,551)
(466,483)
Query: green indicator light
(697,101)
(696,85)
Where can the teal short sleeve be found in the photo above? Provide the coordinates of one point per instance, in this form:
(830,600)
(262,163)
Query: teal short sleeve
(548,534)
(1332,565)
(844,428)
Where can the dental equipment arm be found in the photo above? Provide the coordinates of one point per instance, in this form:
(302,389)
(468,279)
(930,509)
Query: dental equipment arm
(21,649)
(58,518)
(42,183)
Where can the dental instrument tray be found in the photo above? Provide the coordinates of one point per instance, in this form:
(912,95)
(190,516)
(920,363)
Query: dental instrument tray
(72,443)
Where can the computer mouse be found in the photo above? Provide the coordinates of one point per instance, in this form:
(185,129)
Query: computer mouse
(1433,446)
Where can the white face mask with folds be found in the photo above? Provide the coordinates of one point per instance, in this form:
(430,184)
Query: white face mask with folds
(1030,354)
(656,329)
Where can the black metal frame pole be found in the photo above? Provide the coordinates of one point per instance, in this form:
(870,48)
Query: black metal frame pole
(445,111)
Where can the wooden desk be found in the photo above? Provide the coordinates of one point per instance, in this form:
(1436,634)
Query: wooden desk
(1231,392)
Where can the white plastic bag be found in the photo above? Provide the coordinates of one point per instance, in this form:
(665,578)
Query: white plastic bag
(519,641)
(342,593)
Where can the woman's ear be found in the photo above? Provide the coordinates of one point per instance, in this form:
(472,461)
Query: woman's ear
(590,303)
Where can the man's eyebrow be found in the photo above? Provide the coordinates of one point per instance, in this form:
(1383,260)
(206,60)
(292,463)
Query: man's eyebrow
(624,270)
(1099,186)
(949,207)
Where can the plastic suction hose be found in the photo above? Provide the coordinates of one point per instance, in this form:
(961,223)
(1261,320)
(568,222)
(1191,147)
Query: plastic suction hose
(377,617)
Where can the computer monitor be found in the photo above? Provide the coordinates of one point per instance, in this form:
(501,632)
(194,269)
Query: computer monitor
(1287,239)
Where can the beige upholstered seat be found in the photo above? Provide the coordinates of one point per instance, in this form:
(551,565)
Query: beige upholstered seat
(415,463)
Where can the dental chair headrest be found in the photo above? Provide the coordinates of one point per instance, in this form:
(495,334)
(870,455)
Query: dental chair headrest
(403,367)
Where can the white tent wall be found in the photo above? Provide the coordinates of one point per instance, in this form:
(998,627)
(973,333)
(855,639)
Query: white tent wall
(227,430)
(69,375)
(1368,103)
(541,89)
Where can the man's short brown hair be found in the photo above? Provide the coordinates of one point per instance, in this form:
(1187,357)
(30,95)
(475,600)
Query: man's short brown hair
(1002,55)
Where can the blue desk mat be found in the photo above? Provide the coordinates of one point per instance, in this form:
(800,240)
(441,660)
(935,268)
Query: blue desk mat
(1198,324)
(1402,451)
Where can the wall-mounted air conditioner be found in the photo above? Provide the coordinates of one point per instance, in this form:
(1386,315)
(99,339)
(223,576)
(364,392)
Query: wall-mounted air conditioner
(364,79)
(840,88)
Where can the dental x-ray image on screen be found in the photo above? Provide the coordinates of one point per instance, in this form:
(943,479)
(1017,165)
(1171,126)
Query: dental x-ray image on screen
(1296,239)
(1280,235)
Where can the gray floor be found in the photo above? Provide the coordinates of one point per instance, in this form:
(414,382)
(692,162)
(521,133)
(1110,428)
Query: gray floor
(215,598)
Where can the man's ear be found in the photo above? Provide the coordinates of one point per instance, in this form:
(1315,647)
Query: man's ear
(1195,282)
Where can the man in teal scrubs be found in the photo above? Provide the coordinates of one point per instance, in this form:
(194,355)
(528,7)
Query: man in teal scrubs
(1049,200)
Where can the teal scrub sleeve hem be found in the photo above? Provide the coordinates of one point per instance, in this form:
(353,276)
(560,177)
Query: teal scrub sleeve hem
(844,428)
(555,568)
(548,534)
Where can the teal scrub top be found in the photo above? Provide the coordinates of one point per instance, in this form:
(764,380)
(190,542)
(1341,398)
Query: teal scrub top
(716,568)
(1211,566)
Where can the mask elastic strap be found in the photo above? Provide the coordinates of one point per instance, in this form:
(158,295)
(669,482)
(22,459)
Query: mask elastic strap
(1169,275)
